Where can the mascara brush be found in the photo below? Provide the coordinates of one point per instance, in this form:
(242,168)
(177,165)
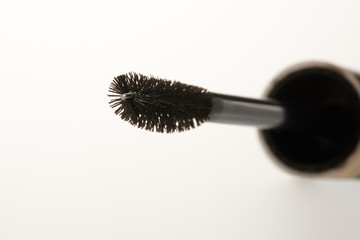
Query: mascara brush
(167,106)
(308,121)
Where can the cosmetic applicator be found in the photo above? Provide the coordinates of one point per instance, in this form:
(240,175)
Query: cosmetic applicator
(165,106)
(309,121)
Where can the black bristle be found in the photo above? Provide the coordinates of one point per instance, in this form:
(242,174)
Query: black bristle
(159,105)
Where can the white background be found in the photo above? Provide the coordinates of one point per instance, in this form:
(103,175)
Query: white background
(71,169)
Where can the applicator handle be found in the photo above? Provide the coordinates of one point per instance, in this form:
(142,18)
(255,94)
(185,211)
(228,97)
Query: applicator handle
(263,114)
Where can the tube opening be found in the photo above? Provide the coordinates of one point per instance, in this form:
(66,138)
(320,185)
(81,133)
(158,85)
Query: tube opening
(322,125)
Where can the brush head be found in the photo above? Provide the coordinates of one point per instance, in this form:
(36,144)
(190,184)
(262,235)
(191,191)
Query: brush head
(159,105)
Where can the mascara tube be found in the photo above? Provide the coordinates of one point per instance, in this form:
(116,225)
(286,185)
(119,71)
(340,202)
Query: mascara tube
(321,133)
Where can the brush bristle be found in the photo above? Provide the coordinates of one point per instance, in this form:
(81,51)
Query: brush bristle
(159,105)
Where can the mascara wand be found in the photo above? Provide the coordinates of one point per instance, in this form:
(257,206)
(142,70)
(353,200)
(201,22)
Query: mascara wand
(166,106)
(309,122)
